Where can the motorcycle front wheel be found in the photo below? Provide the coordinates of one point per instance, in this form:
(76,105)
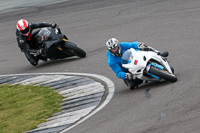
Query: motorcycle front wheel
(78,51)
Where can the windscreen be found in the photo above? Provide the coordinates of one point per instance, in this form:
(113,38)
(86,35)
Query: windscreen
(43,35)
(126,57)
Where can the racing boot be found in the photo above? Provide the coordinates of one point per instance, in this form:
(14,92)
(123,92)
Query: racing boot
(43,58)
(129,84)
(133,84)
(34,52)
(43,52)
(40,57)
(134,87)
(163,54)
(136,84)
(39,54)
(31,58)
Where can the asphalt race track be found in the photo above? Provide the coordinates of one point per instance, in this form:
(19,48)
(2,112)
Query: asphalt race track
(171,25)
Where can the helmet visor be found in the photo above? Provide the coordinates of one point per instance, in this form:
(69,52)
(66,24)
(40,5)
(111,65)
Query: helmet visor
(114,50)
(25,31)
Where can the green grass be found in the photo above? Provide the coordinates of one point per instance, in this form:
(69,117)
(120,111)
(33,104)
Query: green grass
(22,108)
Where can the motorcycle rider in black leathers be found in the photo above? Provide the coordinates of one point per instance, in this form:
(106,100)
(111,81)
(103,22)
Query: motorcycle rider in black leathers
(27,42)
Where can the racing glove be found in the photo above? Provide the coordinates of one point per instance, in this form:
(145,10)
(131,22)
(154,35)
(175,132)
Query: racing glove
(142,45)
(53,25)
(128,76)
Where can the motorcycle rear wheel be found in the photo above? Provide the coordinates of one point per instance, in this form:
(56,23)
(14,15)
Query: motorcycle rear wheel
(160,73)
(78,51)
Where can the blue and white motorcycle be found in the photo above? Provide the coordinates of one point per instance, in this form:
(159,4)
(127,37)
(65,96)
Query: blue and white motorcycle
(148,66)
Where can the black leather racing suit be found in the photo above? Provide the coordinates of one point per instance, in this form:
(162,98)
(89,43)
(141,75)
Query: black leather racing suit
(27,43)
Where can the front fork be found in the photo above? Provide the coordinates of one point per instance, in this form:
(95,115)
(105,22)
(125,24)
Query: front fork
(59,48)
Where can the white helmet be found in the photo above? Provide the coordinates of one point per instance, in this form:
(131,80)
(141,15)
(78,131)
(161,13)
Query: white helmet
(114,47)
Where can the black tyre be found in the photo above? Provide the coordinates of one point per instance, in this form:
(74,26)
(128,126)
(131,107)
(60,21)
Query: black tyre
(78,51)
(162,74)
(172,69)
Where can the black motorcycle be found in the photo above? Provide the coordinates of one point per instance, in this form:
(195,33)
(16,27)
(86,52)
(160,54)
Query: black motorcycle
(56,45)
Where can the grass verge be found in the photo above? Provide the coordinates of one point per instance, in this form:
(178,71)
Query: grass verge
(22,108)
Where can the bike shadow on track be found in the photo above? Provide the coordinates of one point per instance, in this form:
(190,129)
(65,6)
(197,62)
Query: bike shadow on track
(56,62)
(28,68)
(148,86)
